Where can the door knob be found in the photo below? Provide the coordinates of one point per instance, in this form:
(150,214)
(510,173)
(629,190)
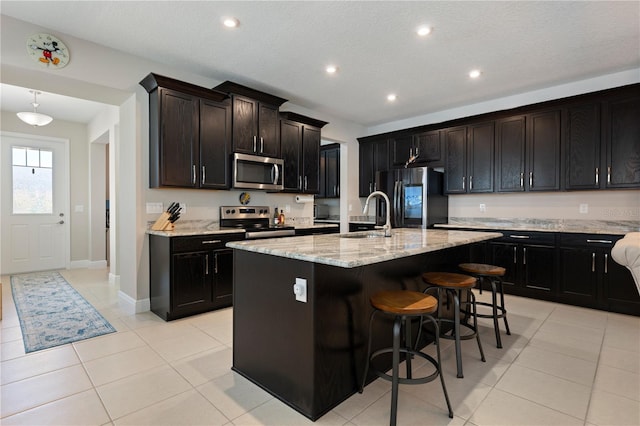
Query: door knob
(61,222)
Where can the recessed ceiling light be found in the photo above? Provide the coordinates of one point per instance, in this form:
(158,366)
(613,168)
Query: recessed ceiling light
(474,73)
(391,97)
(423,31)
(230,22)
(331,69)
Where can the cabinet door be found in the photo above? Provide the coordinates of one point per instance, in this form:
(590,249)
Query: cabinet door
(178,139)
(623,144)
(190,282)
(506,256)
(365,169)
(268,137)
(455,165)
(543,151)
(245,125)
(310,160)
(578,283)
(619,291)
(215,133)
(480,157)
(223,277)
(332,173)
(510,145)
(290,140)
(538,268)
(400,148)
(582,147)
(429,147)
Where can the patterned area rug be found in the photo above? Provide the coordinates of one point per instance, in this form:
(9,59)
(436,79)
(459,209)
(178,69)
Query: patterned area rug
(53,313)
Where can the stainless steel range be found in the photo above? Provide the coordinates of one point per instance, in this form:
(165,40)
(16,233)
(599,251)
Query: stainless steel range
(256,221)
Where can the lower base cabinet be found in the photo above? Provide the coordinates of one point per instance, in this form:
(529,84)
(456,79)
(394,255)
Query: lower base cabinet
(190,275)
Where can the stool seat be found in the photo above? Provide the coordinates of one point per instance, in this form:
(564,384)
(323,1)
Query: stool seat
(404,302)
(482,269)
(449,279)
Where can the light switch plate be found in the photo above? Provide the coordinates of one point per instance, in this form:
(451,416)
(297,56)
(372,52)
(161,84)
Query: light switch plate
(154,208)
(300,290)
(584,208)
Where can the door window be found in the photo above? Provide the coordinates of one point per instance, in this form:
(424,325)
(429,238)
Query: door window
(32,172)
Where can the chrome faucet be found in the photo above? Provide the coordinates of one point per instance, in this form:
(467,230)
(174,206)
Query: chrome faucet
(387,226)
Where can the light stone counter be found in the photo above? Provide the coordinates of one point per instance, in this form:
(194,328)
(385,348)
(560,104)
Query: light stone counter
(195,227)
(349,251)
(614,227)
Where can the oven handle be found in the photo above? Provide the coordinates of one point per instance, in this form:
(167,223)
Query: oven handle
(270,234)
(275,173)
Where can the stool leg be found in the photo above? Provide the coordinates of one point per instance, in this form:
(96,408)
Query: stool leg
(407,344)
(504,311)
(437,343)
(395,360)
(474,308)
(496,327)
(366,363)
(456,328)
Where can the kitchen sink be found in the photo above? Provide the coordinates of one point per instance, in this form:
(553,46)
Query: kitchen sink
(376,234)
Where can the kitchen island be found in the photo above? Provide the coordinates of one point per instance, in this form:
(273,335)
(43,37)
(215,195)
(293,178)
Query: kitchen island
(310,354)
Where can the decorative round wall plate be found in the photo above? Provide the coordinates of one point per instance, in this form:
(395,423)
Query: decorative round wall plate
(245,198)
(47,50)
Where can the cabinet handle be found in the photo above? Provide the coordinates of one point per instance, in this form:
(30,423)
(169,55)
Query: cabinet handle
(410,152)
(254,144)
(515,255)
(300,182)
(417,151)
(522,237)
(206,264)
(608,174)
(215,263)
(606,263)
(212,242)
(597,175)
(375,186)
(600,241)
(193,174)
(593,262)
(261,145)
(335,190)
(370,187)
(203,175)
(470,183)
(521,180)
(305,182)
(524,255)
(530,179)
(464,181)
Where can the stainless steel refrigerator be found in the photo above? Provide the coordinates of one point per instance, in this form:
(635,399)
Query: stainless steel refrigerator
(416,195)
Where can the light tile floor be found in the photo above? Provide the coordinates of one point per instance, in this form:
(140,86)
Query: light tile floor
(562,365)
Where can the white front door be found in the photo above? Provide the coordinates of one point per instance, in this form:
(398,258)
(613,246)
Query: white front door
(34,203)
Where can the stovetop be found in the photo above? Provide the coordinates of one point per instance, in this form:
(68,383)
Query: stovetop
(254,219)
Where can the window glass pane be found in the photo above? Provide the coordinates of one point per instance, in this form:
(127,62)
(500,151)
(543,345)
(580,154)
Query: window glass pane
(19,156)
(46,158)
(33,188)
(33,157)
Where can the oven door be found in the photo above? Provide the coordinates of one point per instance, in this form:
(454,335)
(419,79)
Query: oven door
(255,172)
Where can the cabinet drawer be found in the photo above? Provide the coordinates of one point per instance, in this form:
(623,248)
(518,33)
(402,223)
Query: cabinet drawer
(588,240)
(203,242)
(528,237)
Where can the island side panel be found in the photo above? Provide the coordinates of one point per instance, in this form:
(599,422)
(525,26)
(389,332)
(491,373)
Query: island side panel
(272,332)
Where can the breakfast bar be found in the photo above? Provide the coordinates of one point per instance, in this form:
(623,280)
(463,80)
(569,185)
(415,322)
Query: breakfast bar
(310,353)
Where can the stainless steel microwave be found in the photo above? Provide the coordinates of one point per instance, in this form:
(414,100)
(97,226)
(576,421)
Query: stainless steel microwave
(256,172)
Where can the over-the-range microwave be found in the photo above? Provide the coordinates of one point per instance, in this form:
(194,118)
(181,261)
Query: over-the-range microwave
(256,172)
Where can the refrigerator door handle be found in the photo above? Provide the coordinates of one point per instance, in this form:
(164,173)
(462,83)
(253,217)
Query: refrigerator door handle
(398,208)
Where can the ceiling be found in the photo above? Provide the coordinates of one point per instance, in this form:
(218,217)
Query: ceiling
(284,47)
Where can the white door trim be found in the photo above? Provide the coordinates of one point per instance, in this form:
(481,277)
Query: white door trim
(67,183)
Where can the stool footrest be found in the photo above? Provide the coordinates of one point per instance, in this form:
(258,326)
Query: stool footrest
(403,380)
(444,335)
(501,311)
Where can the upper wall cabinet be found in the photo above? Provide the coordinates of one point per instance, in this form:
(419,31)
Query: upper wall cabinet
(300,147)
(373,158)
(622,140)
(189,135)
(255,118)
(581,146)
(329,171)
(469,161)
(423,149)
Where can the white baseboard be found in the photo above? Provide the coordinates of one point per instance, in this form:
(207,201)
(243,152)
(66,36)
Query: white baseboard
(97,264)
(131,305)
(79,264)
(114,279)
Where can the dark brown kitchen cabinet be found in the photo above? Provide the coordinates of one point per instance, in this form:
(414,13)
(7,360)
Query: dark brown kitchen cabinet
(528,152)
(256,126)
(190,275)
(329,171)
(189,135)
(589,277)
(417,149)
(373,158)
(530,262)
(581,147)
(300,147)
(401,148)
(469,159)
(622,140)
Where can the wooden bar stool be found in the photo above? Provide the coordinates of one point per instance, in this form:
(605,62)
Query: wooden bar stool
(494,275)
(404,306)
(454,284)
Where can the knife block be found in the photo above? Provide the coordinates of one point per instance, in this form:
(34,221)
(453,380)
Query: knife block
(163,223)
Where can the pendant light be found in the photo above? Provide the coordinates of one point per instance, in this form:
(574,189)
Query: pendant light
(35,118)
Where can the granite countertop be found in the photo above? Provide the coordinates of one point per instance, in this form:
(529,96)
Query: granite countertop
(318,225)
(207,227)
(349,251)
(614,227)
